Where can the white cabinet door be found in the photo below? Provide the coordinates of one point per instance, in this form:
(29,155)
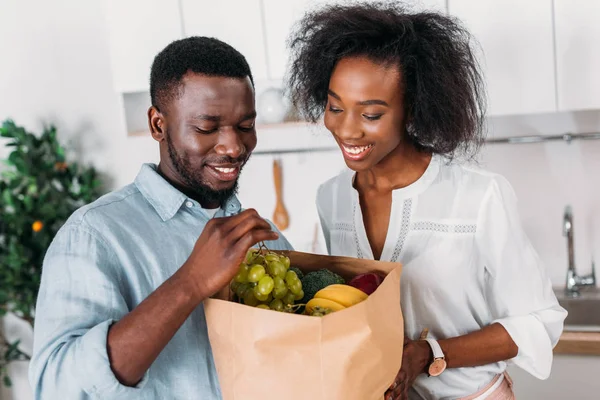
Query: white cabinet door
(137,31)
(433,5)
(577,25)
(518,52)
(238,23)
(280,17)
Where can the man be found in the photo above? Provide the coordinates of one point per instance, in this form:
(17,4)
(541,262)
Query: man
(119,312)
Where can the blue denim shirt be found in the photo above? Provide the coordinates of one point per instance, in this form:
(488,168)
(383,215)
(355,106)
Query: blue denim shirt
(107,258)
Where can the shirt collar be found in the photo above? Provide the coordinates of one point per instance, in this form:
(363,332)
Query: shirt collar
(166,199)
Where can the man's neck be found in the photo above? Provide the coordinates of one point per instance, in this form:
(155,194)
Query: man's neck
(178,184)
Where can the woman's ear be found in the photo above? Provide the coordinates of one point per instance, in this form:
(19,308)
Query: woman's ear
(156,123)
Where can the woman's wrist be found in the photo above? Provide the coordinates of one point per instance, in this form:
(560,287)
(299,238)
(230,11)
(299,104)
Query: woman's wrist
(424,355)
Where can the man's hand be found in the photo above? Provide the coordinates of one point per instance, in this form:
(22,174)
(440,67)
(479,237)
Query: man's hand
(136,340)
(416,358)
(221,248)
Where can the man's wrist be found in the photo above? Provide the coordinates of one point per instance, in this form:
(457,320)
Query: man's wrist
(189,287)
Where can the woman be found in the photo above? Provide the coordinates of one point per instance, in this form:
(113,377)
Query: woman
(402,95)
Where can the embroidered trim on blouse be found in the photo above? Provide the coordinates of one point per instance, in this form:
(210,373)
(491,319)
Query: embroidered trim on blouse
(359,253)
(343,226)
(404,225)
(445,228)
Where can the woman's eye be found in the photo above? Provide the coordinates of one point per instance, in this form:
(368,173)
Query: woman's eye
(372,117)
(334,110)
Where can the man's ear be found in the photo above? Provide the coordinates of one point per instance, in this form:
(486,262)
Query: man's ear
(156,123)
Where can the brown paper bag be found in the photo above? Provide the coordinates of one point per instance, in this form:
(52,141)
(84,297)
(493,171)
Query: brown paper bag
(352,354)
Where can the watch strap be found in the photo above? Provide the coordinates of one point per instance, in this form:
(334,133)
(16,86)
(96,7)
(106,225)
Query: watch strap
(435,348)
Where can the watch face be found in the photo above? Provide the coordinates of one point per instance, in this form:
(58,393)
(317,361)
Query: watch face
(437,367)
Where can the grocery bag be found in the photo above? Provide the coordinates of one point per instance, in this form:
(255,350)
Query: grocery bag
(351,354)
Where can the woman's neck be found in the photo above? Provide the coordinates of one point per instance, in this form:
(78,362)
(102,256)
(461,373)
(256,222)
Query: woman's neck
(402,167)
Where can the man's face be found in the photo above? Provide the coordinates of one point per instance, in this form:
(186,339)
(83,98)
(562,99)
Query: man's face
(207,134)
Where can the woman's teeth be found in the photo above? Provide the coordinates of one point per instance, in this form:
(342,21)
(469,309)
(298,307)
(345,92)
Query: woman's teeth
(355,150)
(224,170)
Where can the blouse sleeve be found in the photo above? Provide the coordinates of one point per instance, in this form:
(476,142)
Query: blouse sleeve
(518,292)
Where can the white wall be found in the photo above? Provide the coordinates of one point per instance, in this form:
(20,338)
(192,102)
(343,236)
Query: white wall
(572,378)
(547,177)
(55,68)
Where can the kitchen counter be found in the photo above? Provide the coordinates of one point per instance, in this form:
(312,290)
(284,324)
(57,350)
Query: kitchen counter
(581,343)
(581,334)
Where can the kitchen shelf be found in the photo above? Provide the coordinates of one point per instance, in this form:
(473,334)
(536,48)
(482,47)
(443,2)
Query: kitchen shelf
(566,137)
(259,127)
(284,125)
(284,138)
(304,137)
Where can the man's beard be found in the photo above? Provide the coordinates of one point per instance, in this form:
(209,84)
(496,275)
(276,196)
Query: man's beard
(193,178)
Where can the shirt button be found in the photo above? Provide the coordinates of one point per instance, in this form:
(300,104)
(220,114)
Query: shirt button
(189,204)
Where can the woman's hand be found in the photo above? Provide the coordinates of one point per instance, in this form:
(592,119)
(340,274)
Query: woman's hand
(416,358)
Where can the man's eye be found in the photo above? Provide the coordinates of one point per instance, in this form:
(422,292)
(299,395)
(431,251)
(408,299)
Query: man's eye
(205,131)
(334,110)
(246,128)
(372,117)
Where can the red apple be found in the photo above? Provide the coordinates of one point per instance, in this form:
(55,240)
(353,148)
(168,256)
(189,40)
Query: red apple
(367,282)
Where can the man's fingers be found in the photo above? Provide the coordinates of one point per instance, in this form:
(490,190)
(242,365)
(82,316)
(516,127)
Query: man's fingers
(255,236)
(246,225)
(230,223)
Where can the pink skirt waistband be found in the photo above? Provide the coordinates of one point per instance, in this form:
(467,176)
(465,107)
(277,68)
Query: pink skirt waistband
(502,392)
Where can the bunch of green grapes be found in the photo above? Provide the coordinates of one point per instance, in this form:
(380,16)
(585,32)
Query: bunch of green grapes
(265,281)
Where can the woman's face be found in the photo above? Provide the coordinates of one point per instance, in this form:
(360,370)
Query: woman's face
(365,111)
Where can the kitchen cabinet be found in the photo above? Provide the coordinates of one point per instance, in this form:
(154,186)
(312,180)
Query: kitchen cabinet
(280,17)
(516,40)
(433,5)
(577,54)
(238,23)
(137,31)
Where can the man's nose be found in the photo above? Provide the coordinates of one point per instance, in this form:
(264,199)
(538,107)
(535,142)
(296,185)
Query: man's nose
(230,144)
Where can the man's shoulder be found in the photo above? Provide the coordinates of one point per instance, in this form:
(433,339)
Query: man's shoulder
(110,206)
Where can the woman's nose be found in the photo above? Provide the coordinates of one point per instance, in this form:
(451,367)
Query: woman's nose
(348,129)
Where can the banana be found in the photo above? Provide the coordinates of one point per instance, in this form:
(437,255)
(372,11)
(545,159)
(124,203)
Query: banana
(323,304)
(343,294)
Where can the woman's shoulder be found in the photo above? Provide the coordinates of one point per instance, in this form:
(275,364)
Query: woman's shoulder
(336,185)
(470,176)
(465,188)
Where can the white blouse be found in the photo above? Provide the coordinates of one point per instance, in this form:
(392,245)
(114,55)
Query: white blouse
(467,263)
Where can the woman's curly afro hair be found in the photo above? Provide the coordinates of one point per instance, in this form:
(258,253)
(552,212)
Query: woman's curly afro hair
(443,87)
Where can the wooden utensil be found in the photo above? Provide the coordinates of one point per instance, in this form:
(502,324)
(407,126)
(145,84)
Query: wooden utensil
(281,218)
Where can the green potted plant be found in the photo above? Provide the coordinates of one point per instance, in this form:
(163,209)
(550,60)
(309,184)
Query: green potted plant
(39,189)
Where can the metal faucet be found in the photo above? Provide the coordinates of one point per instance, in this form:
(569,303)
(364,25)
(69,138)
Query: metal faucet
(574,281)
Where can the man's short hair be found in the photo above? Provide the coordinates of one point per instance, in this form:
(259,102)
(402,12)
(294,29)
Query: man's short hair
(202,55)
